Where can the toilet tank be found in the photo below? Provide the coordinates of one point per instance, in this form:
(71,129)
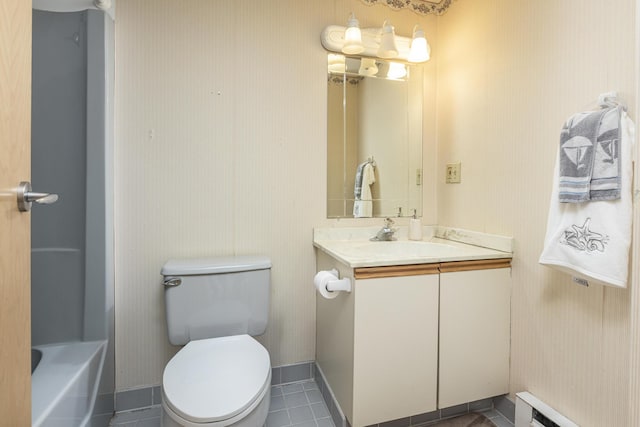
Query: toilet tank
(216,297)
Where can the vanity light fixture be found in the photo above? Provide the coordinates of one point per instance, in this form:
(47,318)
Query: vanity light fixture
(420,49)
(352,37)
(376,42)
(387,47)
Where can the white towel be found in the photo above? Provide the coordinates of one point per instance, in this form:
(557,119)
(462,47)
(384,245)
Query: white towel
(364,208)
(591,240)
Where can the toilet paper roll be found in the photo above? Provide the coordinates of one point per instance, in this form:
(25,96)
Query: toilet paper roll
(321,279)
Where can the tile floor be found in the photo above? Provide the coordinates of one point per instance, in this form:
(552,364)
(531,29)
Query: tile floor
(297,404)
(497,418)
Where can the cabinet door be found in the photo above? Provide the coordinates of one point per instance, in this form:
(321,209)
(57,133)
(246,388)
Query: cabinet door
(474,335)
(395,348)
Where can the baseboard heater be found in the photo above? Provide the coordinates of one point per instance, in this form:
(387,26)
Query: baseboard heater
(532,412)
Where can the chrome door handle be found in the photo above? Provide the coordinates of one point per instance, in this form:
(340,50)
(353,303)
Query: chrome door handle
(26,197)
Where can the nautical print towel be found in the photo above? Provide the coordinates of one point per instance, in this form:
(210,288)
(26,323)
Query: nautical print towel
(589,157)
(591,241)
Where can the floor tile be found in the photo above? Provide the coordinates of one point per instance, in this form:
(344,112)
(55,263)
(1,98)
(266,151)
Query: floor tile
(300,414)
(277,403)
(310,385)
(295,399)
(292,388)
(310,423)
(320,410)
(314,396)
(276,390)
(278,419)
(325,422)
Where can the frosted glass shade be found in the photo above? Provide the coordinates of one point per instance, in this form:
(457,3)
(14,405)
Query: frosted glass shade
(388,47)
(420,50)
(352,37)
(396,70)
(368,67)
(336,63)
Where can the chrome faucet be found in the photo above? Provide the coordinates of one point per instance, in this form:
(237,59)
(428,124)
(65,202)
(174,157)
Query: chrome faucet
(385,234)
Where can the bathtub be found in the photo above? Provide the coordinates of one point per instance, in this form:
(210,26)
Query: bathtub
(65,382)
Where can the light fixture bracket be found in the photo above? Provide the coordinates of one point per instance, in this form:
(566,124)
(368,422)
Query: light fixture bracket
(332,38)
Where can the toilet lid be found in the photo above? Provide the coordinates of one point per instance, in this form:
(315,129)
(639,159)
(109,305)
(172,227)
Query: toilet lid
(215,379)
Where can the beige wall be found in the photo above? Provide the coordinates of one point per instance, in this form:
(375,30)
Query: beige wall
(509,74)
(221,149)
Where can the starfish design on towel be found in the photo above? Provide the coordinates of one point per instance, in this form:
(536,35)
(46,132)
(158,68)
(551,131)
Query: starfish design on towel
(583,239)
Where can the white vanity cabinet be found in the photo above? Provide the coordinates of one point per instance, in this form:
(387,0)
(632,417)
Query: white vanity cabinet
(411,339)
(474,334)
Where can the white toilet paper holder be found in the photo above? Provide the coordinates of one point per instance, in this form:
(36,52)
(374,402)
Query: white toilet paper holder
(343,284)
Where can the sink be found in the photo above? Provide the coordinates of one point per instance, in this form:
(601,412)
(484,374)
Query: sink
(405,248)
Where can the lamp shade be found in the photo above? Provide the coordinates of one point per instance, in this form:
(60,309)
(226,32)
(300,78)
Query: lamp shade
(388,47)
(396,70)
(368,67)
(420,50)
(352,37)
(336,63)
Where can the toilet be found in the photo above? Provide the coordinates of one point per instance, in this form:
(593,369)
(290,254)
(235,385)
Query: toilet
(222,375)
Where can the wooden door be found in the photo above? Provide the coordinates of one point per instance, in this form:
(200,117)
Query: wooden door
(15,160)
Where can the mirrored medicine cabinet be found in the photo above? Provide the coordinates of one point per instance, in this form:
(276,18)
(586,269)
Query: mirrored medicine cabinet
(374,115)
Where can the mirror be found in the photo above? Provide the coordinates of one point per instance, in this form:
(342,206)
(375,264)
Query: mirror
(374,120)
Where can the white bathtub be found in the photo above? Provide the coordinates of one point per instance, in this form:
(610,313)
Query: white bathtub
(65,383)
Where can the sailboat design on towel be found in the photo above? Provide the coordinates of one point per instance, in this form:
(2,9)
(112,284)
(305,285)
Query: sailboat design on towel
(576,150)
(610,150)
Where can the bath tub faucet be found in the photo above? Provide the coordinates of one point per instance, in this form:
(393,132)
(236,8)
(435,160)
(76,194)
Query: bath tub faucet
(385,234)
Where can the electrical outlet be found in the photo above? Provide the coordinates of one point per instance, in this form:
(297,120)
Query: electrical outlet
(453,173)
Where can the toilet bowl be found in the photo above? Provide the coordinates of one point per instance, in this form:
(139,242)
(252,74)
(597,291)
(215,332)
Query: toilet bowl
(217,382)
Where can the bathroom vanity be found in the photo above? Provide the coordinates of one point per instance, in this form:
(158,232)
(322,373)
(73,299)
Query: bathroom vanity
(425,327)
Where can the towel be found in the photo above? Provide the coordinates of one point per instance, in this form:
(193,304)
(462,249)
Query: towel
(589,156)
(363,207)
(357,189)
(591,241)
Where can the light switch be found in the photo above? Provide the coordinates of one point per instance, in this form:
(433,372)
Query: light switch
(453,173)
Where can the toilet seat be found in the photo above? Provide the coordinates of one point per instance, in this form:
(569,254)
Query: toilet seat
(216,379)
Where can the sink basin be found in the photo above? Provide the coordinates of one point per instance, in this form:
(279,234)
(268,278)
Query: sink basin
(405,248)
